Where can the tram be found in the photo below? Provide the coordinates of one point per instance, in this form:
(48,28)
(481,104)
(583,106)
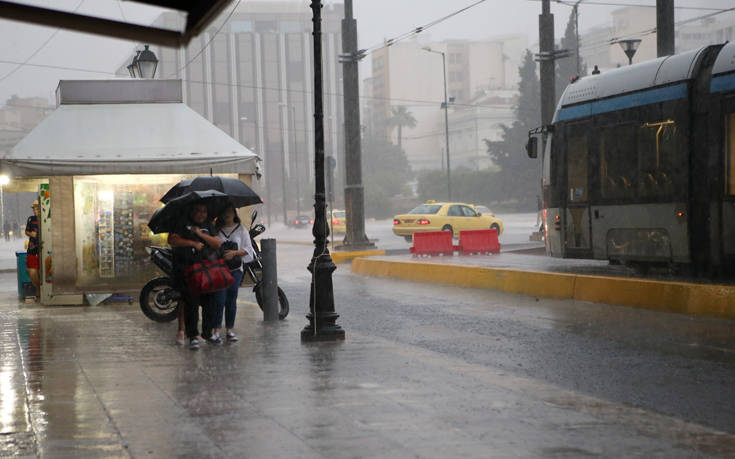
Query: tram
(638,165)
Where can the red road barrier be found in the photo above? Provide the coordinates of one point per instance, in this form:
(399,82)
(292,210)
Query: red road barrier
(479,241)
(433,243)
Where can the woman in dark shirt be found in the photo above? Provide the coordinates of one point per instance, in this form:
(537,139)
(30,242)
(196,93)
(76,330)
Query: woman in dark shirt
(194,236)
(33,254)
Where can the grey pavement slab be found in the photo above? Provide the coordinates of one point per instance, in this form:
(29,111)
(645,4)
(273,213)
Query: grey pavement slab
(105,381)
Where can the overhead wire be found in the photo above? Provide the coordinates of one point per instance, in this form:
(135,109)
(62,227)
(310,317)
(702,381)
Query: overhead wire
(206,45)
(642,5)
(419,29)
(642,33)
(267,88)
(38,50)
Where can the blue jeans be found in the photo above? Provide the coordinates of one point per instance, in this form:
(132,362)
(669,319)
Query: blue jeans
(226,300)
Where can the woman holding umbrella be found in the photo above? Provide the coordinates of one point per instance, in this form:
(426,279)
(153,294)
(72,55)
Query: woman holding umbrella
(238,250)
(189,240)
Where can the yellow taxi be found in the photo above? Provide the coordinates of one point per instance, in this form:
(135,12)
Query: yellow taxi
(339,221)
(443,216)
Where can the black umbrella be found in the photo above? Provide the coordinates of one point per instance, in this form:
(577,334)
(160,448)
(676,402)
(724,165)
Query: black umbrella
(168,217)
(240,194)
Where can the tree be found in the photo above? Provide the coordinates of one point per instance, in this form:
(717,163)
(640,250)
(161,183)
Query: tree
(520,175)
(566,68)
(401,117)
(386,172)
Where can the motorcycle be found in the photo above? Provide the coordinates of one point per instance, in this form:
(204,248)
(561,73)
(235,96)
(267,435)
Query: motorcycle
(160,298)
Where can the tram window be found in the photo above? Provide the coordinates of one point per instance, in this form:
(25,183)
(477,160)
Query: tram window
(730,157)
(659,159)
(546,161)
(577,168)
(618,161)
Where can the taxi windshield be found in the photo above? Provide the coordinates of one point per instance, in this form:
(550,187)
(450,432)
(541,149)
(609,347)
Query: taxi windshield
(340,214)
(426,209)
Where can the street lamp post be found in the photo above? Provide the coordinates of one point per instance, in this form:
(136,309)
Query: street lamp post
(322,317)
(445,105)
(630,46)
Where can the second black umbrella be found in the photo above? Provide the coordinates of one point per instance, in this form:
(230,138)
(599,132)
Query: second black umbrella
(239,193)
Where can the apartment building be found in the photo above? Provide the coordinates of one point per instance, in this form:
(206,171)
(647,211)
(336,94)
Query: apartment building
(408,74)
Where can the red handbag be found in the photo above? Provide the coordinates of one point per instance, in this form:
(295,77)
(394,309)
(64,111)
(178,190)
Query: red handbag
(208,276)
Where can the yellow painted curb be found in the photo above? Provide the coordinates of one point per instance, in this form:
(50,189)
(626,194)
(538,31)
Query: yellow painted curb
(342,257)
(678,297)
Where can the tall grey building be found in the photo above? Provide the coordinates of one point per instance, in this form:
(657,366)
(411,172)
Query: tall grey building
(255,82)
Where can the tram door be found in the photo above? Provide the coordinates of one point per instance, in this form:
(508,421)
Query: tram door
(577,225)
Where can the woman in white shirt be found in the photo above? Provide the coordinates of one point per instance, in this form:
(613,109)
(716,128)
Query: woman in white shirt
(229,228)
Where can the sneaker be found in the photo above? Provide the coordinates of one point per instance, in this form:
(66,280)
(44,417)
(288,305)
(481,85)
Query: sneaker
(232,337)
(215,339)
(193,343)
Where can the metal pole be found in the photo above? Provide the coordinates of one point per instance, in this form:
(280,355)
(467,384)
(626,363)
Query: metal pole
(665,40)
(267,174)
(269,286)
(322,317)
(446,127)
(283,170)
(546,51)
(355,237)
(296,159)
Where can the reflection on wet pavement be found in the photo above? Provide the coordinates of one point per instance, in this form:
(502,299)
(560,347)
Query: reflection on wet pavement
(106,382)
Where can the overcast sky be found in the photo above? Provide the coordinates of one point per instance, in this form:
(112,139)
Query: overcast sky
(377,20)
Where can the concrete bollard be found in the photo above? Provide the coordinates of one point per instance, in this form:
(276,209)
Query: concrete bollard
(269,287)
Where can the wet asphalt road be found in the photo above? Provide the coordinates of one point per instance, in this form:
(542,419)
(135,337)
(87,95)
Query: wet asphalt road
(676,365)
(425,372)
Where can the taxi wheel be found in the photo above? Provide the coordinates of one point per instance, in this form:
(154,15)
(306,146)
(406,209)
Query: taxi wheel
(448,228)
(495,227)
(408,238)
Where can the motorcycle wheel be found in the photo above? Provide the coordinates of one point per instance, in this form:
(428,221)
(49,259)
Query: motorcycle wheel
(155,303)
(282,301)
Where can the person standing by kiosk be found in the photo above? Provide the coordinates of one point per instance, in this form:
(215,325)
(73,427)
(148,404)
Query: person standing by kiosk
(32,258)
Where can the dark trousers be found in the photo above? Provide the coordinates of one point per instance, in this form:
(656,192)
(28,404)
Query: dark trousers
(191,315)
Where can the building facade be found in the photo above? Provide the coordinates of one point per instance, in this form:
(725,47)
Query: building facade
(18,117)
(406,74)
(255,82)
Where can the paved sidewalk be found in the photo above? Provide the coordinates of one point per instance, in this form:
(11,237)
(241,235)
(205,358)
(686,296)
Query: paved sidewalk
(106,382)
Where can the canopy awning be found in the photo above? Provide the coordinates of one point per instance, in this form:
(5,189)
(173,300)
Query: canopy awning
(142,138)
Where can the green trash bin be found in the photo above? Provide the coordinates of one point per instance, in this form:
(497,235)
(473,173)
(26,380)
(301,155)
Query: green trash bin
(23,277)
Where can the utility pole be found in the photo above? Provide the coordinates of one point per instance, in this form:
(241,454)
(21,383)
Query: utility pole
(322,317)
(547,58)
(355,237)
(665,28)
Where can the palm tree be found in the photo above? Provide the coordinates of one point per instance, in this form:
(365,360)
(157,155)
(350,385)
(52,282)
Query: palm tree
(401,117)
